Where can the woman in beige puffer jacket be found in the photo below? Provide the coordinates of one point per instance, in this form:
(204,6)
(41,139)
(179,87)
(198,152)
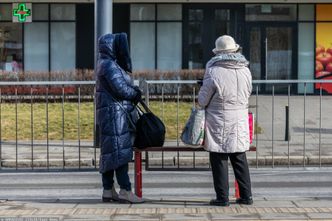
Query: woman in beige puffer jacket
(226,88)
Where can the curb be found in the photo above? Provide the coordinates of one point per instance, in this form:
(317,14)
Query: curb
(171,161)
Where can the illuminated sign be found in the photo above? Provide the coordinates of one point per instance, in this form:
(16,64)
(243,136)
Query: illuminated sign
(22,12)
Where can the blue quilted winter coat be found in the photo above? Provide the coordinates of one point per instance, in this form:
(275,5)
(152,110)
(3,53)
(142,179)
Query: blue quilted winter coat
(114,134)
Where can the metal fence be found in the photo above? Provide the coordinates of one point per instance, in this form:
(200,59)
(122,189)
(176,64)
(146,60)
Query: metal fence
(293,123)
(50,125)
(41,125)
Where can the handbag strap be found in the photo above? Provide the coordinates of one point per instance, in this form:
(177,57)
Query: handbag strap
(122,107)
(146,108)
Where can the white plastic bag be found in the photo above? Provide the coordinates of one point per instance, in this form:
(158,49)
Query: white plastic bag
(193,132)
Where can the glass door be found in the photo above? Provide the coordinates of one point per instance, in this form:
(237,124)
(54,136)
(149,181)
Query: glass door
(272,54)
(203,24)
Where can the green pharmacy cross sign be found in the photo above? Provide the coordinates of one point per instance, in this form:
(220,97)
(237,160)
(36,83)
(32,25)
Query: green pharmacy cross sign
(21,12)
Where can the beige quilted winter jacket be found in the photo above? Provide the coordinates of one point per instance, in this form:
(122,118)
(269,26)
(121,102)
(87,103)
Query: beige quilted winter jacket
(225,93)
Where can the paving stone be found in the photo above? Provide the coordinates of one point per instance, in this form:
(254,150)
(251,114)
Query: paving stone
(94,211)
(179,216)
(121,211)
(219,216)
(324,210)
(81,201)
(57,211)
(313,203)
(157,204)
(6,207)
(88,218)
(51,205)
(283,216)
(35,217)
(111,205)
(320,215)
(273,203)
(151,217)
(17,212)
(282,198)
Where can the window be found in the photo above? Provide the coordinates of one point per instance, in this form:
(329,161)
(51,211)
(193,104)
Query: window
(153,28)
(306,47)
(306,54)
(169,58)
(306,12)
(169,32)
(271,12)
(62,46)
(5,12)
(62,12)
(142,36)
(50,40)
(10,46)
(40,12)
(142,12)
(169,12)
(195,34)
(36,46)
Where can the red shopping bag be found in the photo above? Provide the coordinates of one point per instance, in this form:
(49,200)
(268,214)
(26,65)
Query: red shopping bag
(251,126)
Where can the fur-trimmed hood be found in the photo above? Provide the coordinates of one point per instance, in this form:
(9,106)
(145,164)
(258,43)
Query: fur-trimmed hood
(228,60)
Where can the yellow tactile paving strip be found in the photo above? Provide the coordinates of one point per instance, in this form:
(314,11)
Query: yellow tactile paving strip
(157,211)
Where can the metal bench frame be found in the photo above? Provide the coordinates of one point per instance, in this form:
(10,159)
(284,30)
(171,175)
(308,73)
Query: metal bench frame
(138,164)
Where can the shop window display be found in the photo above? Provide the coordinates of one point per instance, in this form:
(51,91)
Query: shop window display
(323,67)
(10,47)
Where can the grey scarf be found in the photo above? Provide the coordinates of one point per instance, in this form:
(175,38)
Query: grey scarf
(228,60)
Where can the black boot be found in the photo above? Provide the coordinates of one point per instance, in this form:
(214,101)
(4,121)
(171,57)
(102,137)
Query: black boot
(216,202)
(246,201)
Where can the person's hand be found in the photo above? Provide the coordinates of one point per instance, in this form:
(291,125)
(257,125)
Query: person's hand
(138,97)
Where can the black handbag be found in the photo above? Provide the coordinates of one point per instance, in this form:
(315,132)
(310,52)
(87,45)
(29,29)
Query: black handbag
(150,130)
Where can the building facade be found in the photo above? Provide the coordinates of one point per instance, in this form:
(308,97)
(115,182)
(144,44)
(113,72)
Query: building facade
(282,40)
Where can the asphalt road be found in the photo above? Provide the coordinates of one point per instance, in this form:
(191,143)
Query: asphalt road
(266,183)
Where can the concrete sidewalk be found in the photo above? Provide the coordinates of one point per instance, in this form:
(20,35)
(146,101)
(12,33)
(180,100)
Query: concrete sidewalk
(170,210)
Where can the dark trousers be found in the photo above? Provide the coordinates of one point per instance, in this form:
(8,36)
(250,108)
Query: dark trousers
(219,164)
(121,176)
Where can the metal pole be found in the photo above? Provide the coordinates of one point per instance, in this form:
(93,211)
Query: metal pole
(288,134)
(256,123)
(47,134)
(79,126)
(147,103)
(177,123)
(304,126)
(95,133)
(0,130)
(272,126)
(63,127)
(103,20)
(16,127)
(31,121)
(194,105)
(287,123)
(163,117)
(103,25)
(320,124)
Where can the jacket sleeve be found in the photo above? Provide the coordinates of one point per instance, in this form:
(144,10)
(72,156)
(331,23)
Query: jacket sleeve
(207,90)
(249,84)
(119,86)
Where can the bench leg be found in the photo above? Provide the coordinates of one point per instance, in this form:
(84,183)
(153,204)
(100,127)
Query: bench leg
(138,173)
(237,191)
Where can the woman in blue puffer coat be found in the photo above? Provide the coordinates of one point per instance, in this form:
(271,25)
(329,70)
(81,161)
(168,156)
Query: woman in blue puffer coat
(116,97)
